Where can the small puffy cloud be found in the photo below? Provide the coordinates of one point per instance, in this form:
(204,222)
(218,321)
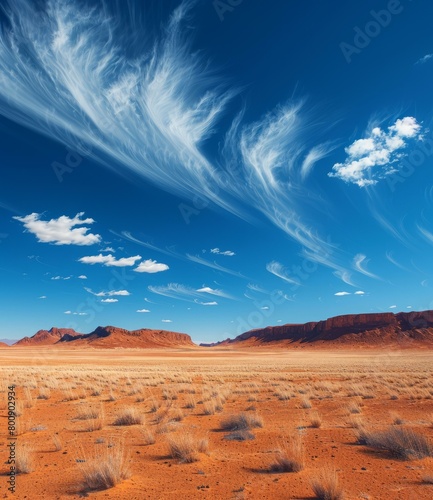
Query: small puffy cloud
(109,260)
(67,312)
(43,297)
(82,277)
(424,59)
(359,292)
(265,308)
(108,249)
(408,307)
(151,266)
(392,307)
(341,294)
(61,231)
(227,253)
(110,293)
(110,301)
(75,313)
(372,158)
(167,321)
(143,311)
(60,278)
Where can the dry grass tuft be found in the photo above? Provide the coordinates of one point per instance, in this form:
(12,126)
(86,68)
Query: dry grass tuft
(129,416)
(290,457)
(57,442)
(186,447)
(398,442)
(316,420)
(105,469)
(326,486)
(24,459)
(242,421)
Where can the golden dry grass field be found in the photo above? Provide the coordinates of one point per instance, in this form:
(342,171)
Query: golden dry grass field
(218,424)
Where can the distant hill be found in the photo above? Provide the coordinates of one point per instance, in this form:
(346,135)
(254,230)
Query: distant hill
(3,344)
(108,337)
(7,341)
(46,337)
(352,330)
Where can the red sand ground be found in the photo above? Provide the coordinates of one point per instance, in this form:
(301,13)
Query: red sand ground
(231,470)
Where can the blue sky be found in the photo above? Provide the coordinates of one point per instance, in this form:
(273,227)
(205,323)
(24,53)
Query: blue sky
(209,168)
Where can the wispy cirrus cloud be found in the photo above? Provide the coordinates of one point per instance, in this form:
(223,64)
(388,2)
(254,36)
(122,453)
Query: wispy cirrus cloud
(186,293)
(61,231)
(109,260)
(280,271)
(360,262)
(227,253)
(424,59)
(65,73)
(374,157)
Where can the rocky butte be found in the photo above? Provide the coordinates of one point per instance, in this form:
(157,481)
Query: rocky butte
(412,329)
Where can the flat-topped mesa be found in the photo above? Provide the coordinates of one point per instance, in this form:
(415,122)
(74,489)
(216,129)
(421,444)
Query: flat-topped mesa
(47,337)
(111,336)
(373,328)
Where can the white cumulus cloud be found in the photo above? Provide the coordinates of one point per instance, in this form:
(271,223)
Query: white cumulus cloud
(151,266)
(375,156)
(167,321)
(341,294)
(143,311)
(110,301)
(109,260)
(61,231)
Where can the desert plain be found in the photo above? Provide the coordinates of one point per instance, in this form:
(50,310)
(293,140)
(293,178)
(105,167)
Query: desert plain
(218,423)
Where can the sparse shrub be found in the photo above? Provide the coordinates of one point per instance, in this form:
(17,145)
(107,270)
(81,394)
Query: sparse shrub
(209,407)
(44,393)
(176,415)
(305,403)
(397,420)
(290,457)
(428,479)
(186,447)
(399,442)
(326,486)
(316,420)
(57,442)
(105,469)
(354,408)
(129,416)
(23,459)
(242,421)
(190,402)
(148,436)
